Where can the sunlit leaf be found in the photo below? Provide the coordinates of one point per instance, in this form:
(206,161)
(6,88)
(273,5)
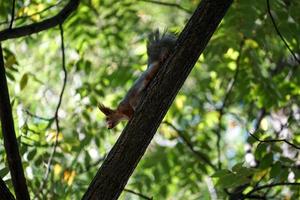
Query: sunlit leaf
(24,81)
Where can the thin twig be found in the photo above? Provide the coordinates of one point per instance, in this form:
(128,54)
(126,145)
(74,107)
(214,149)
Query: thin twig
(56,118)
(270,186)
(274,140)
(168,4)
(189,144)
(12,14)
(256,127)
(260,116)
(36,145)
(288,121)
(38,117)
(279,34)
(261,178)
(94,164)
(138,194)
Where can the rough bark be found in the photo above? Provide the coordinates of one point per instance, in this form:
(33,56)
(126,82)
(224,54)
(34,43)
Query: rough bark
(9,137)
(121,161)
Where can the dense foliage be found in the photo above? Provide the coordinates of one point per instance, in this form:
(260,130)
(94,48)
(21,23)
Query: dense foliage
(232,130)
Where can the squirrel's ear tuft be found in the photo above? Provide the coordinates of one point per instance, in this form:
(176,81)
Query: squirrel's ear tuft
(153,36)
(107,111)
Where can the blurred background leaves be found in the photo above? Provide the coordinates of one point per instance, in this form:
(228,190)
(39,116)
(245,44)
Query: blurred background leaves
(105,53)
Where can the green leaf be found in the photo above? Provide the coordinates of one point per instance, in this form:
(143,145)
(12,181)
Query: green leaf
(4,171)
(297,173)
(283,175)
(93,100)
(237,167)
(38,161)
(260,150)
(10,76)
(286,160)
(31,154)
(24,81)
(275,170)
(10,61)
(266,161)
(245,172)
(232,180)
(221,173)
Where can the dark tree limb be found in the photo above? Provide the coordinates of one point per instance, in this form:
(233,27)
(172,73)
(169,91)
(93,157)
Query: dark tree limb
(9,137)
(40,26)
(5,194)
(115,171)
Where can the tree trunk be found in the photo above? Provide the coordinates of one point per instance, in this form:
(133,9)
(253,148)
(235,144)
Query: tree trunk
(5,194)
(121,161)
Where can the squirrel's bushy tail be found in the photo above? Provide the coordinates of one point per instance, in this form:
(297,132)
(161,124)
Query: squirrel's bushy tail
(113,117)
(160,46)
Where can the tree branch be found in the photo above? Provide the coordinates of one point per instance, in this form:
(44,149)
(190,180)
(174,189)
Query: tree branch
(199,154)
(168,4)
(274,140)
(40,26)
(270,186)
(56,119)
(256,127)
(5,194)
(135,138)
(31,15)
(9,137)
(12,14)
(259,118)
(138,194)
(38,117)
(279,34)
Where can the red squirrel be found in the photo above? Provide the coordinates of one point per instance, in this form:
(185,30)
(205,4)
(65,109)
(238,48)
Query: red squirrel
(159,48)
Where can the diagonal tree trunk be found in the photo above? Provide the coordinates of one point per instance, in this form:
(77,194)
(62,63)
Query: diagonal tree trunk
(5,194)
(121,161)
